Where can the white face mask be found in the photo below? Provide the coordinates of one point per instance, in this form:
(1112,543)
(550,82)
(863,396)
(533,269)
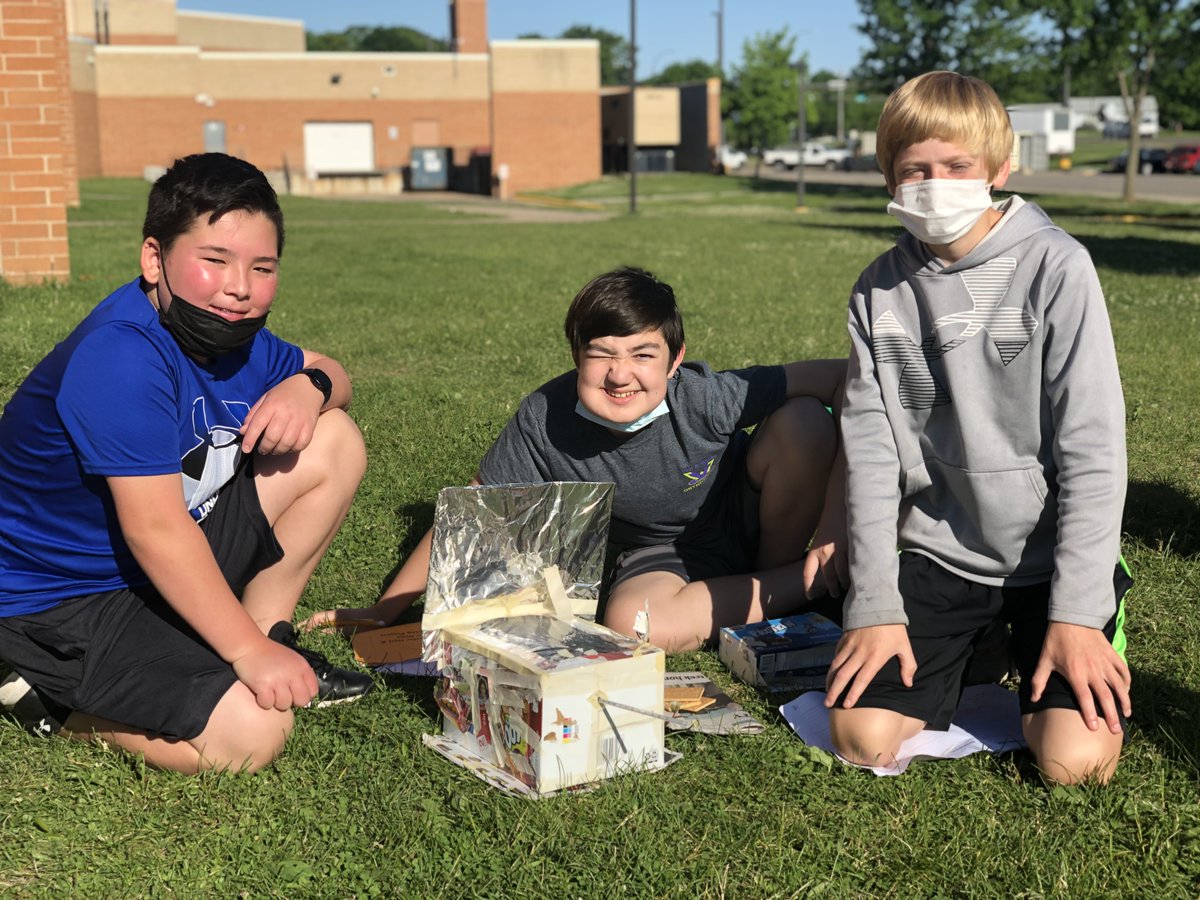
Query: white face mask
(626,427)
(940,210)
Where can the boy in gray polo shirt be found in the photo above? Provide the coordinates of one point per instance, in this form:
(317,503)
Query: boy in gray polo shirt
(712,526)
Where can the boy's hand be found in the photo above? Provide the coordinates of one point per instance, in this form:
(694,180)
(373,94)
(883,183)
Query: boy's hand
(277,676)
(861,653)
(284,418)
(1091,666)
(347,621)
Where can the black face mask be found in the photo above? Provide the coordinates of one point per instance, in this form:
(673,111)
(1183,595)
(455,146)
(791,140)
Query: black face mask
(201,333)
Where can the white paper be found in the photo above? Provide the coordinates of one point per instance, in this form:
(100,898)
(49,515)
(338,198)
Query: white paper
(988,719)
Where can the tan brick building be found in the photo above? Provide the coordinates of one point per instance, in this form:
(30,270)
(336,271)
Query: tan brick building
(154,83)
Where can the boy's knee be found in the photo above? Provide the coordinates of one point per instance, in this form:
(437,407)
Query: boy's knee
(339,438)
(865,737)
(1067,752)
(801,433)
(241,735)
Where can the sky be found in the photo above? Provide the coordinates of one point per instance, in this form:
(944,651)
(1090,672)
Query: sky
(667,30)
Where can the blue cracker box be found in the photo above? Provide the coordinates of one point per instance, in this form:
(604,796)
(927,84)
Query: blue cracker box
(792,653)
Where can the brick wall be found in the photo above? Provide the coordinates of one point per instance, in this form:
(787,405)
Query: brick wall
(36,141)
(263,132)
(546,140)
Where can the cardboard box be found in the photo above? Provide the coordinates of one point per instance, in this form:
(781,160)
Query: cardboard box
(792,653)
(534,698)
(555,703)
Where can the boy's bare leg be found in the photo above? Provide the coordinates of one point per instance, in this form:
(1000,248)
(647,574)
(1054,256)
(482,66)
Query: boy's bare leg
(868,736)
(1067,751)
(686,616)
(789,463)
(305,496)
(240,735)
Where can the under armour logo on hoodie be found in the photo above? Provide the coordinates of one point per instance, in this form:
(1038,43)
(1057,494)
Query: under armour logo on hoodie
(1010,330)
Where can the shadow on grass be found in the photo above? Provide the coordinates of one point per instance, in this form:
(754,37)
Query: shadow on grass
(1166,713)
(421,516)
(1161,516)
(859,191)
(1144,256)
(1136,255)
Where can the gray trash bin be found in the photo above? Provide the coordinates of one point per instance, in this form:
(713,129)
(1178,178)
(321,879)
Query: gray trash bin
(430,169)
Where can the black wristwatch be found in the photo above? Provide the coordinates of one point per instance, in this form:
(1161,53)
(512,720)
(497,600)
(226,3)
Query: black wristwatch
(320,381)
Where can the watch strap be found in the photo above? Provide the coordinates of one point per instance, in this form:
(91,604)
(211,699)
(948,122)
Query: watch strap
(321,382)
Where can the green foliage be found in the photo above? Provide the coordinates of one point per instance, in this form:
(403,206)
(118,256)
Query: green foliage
(445,321)
(375,39)
(979,37)
(763,93)
(683,72)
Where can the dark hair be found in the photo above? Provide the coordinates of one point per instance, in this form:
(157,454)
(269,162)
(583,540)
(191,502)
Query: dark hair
(212,184)
(622,302)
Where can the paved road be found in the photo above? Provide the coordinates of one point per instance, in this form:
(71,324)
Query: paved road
(1167,188)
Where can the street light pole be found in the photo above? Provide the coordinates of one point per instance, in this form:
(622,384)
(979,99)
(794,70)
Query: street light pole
(632,144)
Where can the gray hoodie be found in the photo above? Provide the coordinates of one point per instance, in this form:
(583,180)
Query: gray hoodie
(983,422)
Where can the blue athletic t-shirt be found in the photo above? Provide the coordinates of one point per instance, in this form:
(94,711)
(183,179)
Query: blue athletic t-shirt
(116,397)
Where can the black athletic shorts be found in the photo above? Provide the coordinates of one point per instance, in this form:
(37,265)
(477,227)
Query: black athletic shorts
(125,655)
(728,545)
(949,617)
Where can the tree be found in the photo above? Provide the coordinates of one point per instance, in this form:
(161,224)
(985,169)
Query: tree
(763,97)
(1127,36)
(375,39)
(614,52)
(984,38)
(1178,79)
(683,72)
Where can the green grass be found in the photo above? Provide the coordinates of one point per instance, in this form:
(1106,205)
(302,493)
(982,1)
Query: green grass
(444,323)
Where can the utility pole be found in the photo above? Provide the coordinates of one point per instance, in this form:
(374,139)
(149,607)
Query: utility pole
(801,135)
(632,144)
(720,14)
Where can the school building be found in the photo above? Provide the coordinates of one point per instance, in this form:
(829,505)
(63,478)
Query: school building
(124,87)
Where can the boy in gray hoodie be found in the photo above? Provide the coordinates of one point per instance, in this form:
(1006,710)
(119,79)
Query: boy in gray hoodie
(984,430)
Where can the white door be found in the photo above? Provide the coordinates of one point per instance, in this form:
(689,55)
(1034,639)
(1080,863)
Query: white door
(341,148)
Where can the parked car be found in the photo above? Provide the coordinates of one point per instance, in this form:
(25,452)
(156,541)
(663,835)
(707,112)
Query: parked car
(1183,158)
(815,153)
(865,163)
(1150,160)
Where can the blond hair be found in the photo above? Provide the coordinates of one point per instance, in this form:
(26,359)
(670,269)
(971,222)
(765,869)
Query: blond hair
(949,107)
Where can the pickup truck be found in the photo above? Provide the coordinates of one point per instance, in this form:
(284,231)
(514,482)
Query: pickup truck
(815,154)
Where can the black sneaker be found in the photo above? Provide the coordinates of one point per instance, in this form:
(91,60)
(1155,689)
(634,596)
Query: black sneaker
(334,685)
(21,700)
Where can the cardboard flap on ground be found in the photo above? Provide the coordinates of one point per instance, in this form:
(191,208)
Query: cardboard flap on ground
(384,646)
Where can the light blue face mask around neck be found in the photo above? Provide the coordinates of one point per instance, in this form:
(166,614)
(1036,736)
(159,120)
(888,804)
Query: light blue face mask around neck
(624,427)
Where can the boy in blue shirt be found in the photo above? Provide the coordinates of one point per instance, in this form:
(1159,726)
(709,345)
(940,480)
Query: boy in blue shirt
(170,476)
(985,437)
(713,525)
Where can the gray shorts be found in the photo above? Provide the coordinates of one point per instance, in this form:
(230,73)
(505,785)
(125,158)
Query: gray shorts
(126,655)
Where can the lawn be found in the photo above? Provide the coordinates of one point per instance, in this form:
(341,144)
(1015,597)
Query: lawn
(445,321)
